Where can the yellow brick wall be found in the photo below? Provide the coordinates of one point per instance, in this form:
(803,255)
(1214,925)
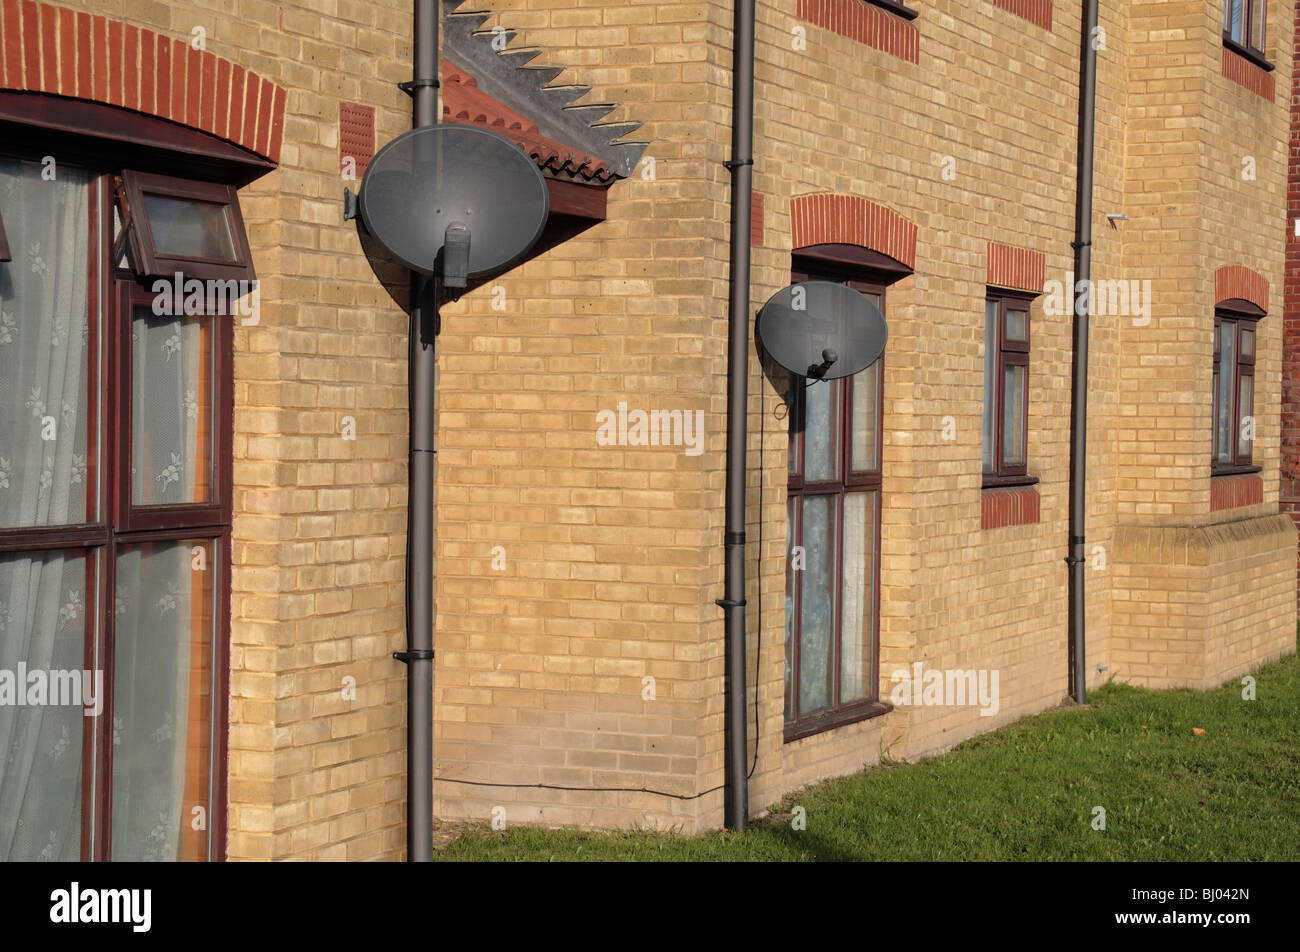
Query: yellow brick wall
(608,550)
(613,555)
(1206,175)
(1197,606)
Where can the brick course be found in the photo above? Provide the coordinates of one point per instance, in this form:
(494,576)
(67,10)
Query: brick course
(57,50)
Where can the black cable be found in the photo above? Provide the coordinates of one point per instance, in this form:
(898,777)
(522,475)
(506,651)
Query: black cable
(552,786)
(758,651)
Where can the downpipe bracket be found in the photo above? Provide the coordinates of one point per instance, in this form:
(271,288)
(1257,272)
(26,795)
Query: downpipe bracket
(416,654)
(412,85)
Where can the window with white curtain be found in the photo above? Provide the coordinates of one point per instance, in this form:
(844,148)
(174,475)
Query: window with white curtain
(833,528)
(114,537)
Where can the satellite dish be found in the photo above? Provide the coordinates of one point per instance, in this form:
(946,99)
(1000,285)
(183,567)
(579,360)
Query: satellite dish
(468,193)
(822,329)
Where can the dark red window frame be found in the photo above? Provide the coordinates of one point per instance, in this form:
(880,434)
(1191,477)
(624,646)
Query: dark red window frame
(1009,353)
(218,512)
(869,273)
(1237,318)
(152,262)
(1246,46)
(118,524)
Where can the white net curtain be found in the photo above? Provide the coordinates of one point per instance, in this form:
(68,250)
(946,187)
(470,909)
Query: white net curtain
(162,604)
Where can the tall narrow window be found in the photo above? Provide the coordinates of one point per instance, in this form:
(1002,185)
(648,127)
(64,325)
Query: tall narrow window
(1006,389)
(1234,389)
(833,523)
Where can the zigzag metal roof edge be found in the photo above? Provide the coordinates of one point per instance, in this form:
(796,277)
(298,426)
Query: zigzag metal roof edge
(504,75)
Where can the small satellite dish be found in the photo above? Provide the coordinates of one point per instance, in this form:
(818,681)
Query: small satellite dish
(468,193)
(822,329)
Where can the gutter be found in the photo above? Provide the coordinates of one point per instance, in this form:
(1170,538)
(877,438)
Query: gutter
(1082,246)
(418,656)
(741,167)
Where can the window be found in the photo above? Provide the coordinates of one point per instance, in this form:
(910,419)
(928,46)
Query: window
(178,225)
(1234,388)
(1244,27)
(1006,389)
(833,524)
(115,524)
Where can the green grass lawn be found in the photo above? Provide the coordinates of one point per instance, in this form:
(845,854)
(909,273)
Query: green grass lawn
(1026,792)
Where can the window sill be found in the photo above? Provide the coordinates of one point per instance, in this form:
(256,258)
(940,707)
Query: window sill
(1227,469)
(833,719)
(1245,52)
(1000,482)
(1009,506)
(897,9)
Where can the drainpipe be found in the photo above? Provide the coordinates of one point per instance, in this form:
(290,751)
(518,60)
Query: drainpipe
(741,167)
(419,506)
(1082,246)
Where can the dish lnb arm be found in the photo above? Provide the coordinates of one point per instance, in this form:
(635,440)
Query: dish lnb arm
(817,371)
(455,255)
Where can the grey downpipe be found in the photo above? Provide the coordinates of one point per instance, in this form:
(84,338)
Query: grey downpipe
(741,166)
(419,505)
(1079,372)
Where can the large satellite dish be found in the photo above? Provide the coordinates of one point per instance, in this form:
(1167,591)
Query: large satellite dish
(467,193)
(822,329)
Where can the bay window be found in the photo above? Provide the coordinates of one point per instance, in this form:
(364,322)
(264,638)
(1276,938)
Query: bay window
(115,512)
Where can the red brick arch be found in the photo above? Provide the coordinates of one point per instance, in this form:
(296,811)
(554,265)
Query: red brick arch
(848,220)
(50,49)
(1232,281)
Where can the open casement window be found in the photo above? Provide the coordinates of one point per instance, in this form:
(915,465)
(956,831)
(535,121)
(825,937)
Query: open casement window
(1006,389)
(1234,388)
(1244,28)
(115,534)
(833,525)
(175,225)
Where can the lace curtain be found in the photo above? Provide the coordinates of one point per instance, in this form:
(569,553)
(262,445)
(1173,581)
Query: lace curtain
(159,735)
(162,605)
